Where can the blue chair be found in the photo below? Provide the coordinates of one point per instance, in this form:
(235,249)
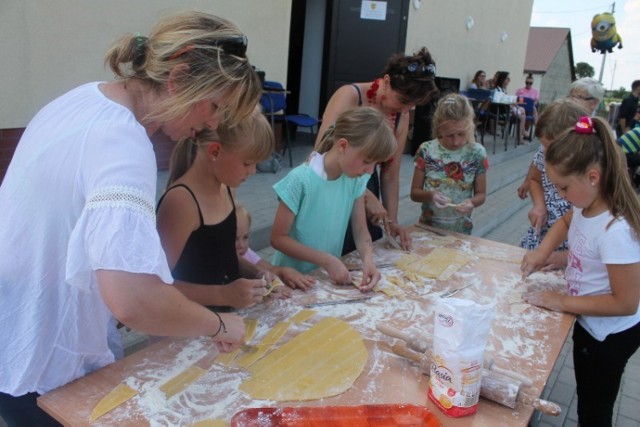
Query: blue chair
(274,106)
(529,105)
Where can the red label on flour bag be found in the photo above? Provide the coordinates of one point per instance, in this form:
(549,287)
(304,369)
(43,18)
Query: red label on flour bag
(461,329)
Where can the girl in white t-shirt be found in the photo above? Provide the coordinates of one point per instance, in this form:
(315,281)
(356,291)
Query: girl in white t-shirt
(603,271)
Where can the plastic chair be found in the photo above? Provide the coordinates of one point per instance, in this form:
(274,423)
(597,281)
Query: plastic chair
(274,106)
(481,100)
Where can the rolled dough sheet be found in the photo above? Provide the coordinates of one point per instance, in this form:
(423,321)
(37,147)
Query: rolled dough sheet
(264,345)
(439,264)
(320,362)
(302,316)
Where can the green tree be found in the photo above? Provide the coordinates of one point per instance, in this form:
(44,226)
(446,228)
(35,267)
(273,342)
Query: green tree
(584,70)
(620,93)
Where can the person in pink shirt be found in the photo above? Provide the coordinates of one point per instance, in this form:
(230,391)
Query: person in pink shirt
(529,91)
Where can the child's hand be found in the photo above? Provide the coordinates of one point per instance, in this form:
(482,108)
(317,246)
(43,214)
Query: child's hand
(243,293)
(338,272)
(545,299)
(523,190)
(440,200)
(231,336)
(531,262)
(556,261)
(280,292)
(294,279)
(465,207)
(370,276)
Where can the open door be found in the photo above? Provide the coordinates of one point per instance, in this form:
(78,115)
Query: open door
(361,37)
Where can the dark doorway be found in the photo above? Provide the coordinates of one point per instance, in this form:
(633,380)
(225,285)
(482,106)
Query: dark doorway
(358,48)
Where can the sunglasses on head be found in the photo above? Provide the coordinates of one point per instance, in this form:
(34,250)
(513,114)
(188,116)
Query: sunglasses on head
(232,45)
(416,69)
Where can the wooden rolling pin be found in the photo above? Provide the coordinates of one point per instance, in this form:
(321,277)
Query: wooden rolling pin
(493,385)
(422,345)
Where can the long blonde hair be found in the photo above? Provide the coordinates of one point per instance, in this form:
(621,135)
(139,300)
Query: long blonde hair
(365,128)
(252,135)
(197,40)
(573,153)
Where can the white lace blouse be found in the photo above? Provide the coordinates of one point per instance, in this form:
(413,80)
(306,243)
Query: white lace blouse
(78,196)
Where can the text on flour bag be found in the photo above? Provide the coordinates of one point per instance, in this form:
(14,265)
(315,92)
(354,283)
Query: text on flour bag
(460,332)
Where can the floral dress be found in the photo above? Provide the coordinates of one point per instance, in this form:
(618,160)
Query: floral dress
(555,204)
(452,173)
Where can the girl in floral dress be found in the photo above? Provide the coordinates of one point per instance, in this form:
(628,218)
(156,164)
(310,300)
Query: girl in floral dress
(450,171)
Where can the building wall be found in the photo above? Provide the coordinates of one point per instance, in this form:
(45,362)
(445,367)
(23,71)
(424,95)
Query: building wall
(54,46)
(440,25)
(556,81)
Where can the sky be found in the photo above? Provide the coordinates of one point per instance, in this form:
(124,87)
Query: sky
(623,65)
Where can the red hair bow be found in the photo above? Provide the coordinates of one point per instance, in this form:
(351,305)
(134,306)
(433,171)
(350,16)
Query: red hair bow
(584,125)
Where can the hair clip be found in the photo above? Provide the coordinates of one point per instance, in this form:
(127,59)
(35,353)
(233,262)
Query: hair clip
(181,52)
(584,126)
(449,100)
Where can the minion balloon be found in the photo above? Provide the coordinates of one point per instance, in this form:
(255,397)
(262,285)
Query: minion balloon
(604,34)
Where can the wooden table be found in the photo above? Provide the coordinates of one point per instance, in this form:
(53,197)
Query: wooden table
(528,343)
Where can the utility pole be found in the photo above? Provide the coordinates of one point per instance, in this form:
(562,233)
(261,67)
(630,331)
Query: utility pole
(615,64)
(604,55)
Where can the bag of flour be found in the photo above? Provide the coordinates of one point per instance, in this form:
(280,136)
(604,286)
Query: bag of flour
(461,329)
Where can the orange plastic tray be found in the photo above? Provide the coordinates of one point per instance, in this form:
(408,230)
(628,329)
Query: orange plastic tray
(352,416)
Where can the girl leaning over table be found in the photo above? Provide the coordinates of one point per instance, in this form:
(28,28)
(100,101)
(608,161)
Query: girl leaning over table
(78,242)
(320,197)
(603,269)
(197,214)
(450,171)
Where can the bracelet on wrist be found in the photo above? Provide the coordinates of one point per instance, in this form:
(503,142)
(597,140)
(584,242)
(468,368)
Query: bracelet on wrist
(221,326)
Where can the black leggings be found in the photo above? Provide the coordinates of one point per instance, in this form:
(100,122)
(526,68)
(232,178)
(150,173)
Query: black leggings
(23,411)
(599,367)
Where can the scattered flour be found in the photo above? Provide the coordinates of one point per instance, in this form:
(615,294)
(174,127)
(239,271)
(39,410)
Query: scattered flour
(523,336)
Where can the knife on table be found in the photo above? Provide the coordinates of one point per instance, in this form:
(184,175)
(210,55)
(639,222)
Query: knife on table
(340,301)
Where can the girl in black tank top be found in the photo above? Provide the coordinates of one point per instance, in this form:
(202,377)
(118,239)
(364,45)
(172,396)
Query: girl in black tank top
(196,216)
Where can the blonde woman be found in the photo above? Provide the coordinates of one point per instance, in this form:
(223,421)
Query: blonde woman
(78,242)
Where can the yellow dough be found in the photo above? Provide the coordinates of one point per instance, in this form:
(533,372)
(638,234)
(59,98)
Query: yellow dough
(178,383)
(116,397)
(259,350)
(302,316)
(227,359)
(439,264)
(276,282)
(323,361)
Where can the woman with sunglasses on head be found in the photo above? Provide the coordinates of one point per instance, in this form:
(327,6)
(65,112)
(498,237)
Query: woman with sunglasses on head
(78,240)
(406,81)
